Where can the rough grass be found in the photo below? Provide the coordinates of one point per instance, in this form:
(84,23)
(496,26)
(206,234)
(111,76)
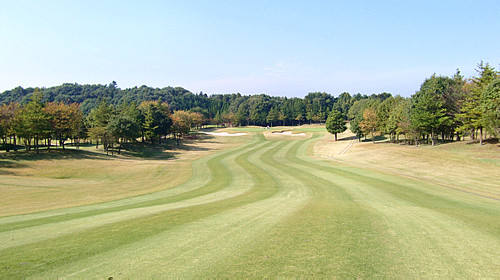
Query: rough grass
(263,208)
(461,165)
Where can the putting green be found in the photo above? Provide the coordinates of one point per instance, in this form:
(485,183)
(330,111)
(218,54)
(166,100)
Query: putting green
(264,209)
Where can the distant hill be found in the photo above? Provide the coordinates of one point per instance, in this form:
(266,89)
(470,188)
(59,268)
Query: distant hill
(243,109)
(90,95)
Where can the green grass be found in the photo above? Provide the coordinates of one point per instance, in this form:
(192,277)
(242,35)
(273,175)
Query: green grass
(263,209)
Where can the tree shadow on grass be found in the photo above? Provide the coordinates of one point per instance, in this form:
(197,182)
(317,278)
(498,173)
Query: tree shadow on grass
(168,149)
(148,151)
(5,165)
(51,154)
(485,141)
(377,138)
(347,138)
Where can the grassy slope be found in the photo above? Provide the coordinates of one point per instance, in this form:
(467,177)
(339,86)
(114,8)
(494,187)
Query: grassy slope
(265,208)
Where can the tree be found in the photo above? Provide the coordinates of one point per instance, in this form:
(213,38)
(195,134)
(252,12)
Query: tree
(33,122)
(370,122)
(343,103)
(355,114)
(384,109)
(282,117)
(182,123)
(490,105)
(299,118)
(217,120)
(272,116)
(157,121)
(336,123)
(98,120)
(473,114)
(122,127)
(428,114)
(229,118)
(242,115)
(8,113)
(396,117)
(197,119)
(65,120)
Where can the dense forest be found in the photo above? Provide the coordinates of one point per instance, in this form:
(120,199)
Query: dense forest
(445,108)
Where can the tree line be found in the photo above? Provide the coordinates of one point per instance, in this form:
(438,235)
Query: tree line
(444,107)
(221,109)
(37,123)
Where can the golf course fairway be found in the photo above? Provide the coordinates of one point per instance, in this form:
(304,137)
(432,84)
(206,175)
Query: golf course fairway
(263,208)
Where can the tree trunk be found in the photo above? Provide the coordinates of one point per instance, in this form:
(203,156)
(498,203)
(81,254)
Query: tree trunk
(335,136)
(481,136)
(36,145)
(432,138)
(373,139)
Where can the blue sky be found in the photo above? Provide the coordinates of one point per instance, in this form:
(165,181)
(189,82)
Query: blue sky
(281,48)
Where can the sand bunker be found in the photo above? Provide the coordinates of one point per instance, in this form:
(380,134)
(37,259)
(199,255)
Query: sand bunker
(288,133)
(224,133)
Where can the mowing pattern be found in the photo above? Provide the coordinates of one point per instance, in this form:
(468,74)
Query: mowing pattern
(264,209)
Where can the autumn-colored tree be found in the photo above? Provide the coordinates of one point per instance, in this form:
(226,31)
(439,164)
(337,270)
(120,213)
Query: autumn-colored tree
(65,120)
(229,118)
(8,113)
(197,119)
(182,123)
(369,124)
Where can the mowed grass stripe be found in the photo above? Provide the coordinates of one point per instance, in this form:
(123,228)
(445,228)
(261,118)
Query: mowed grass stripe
(480,212)
(331,234)
(32,259)
(281,214)
(240,184)
(195,247)
(200,172)
(208,175)
(430,241)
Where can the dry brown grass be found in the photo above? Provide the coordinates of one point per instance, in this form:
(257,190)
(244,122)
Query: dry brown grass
(37,185)
(461,165)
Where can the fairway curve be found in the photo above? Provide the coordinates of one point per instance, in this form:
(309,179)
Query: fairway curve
(264,209)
